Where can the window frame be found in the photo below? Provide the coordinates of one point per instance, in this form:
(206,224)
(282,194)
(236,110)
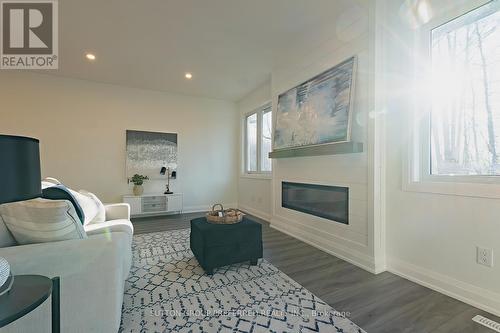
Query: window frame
(245,145)
(267,108)
(417,175)
(264,108)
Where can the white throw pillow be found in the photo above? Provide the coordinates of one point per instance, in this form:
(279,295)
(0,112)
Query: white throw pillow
(51,181)
(88,205)
(101,210)
(41,220)
(6,238)
(92,207)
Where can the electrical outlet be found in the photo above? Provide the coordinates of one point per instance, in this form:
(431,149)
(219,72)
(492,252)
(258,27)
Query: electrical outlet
(485,256)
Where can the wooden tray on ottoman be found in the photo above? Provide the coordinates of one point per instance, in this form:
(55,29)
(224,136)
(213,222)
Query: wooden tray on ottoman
(221,216)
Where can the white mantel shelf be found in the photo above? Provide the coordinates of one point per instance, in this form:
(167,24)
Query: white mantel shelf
(317,150)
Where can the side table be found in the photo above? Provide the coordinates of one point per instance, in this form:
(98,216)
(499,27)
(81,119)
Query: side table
(27,293)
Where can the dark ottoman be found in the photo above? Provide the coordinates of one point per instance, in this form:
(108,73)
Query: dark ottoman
(217,245)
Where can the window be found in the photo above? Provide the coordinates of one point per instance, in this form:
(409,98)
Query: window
(465,110)
(258,131)
(251,143)
(267,129)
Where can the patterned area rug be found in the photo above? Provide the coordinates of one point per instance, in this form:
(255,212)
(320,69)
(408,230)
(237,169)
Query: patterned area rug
(167,291)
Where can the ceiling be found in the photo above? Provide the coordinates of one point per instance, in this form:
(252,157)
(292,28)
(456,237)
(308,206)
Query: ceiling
(230,46)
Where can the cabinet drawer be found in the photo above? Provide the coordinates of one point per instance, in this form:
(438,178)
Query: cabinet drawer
(154,200)
(154,207)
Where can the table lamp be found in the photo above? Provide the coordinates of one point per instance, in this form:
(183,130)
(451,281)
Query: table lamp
(164,171)
(21,180)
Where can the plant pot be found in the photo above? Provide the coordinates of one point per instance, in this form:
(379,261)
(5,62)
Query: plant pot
(138,190)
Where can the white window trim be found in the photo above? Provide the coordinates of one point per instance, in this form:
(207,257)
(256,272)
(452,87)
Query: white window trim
(245,143)
(416,160)
(259,174)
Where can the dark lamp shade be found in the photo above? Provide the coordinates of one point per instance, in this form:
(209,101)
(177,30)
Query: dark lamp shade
(19,168)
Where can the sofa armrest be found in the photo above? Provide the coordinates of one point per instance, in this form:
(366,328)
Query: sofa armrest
(92,273)
(110,226)
(119,211)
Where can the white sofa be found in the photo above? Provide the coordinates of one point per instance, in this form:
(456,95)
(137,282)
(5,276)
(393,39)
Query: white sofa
(92,271)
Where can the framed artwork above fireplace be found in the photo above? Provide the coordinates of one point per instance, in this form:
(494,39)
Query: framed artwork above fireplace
(318,111)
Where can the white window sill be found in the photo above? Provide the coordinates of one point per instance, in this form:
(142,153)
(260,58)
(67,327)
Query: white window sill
(478,190)
(257,175)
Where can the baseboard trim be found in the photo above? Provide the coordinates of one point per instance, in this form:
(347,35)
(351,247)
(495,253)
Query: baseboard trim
(260,214)
(478,297)
(205,208)
(354,257)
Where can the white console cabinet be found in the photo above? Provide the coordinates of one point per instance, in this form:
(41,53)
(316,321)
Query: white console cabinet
(153,204)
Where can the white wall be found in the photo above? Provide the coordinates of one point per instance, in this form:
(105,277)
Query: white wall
(81,126)
(254,191)
(431,238)
(354,242)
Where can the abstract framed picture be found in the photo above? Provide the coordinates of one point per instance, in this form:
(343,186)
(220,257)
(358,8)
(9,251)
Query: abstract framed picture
(318,111)
(148,152)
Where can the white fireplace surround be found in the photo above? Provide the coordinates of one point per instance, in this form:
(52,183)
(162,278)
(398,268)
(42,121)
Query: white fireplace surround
(347,241)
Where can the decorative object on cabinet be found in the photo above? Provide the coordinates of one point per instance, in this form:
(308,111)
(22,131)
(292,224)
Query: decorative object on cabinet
(167,171)
(138,180)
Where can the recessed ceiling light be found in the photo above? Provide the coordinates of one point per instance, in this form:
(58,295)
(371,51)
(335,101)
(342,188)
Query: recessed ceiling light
(188,76)
(90,56)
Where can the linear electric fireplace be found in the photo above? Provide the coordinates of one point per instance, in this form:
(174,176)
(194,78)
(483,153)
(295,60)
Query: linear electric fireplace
(329,202)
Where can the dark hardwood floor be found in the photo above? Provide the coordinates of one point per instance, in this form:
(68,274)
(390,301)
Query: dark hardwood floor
(377,303)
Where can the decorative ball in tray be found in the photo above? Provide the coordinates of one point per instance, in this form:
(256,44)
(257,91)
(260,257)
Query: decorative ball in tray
(221,216)
(6,278)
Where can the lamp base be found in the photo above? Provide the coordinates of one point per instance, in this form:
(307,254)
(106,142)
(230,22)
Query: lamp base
(167,189)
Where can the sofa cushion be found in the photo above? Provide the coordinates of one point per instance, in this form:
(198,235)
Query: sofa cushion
(110,226)
(6,238)
(41,220)
(61,192)
(100,210)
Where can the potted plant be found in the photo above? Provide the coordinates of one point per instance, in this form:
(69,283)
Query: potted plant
(138,180)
